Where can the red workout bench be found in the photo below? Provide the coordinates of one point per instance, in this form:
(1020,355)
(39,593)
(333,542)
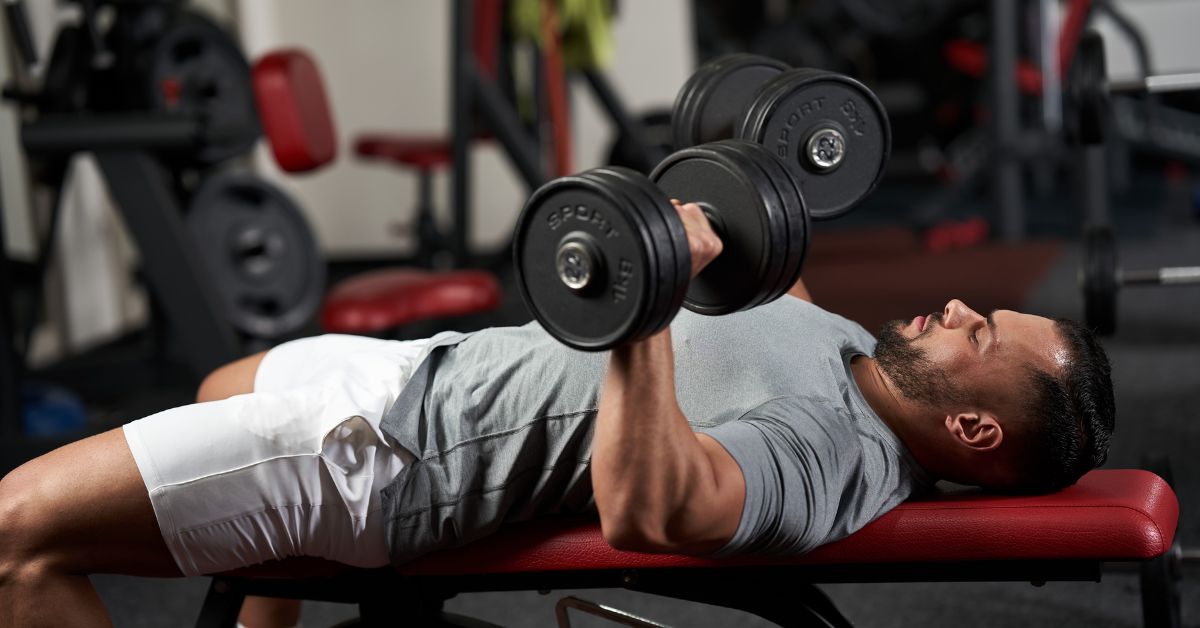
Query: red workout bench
(955,536)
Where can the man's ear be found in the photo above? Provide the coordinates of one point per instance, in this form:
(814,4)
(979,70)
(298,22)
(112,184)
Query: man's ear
(978,430)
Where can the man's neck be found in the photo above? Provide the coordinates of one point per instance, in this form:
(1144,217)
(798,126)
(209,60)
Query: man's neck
(887,402)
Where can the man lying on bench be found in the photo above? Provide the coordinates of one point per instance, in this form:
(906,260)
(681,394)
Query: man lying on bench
(773,430)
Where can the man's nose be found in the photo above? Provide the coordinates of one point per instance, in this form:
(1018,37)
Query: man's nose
(956,314)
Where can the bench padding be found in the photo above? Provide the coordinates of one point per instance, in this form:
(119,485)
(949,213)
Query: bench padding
(1118,515)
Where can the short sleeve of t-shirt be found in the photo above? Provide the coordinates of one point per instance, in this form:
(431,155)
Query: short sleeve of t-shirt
(800,458)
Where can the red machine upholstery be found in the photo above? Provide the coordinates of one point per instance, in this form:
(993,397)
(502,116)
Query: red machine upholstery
(427,153)
(297,123)
(388,298)
(294,111)
(1108,515)
(423,153)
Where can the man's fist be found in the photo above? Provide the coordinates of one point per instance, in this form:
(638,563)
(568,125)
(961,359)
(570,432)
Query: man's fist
(703,243)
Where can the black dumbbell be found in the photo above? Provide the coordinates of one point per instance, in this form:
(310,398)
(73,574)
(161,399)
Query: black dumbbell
(829,129)
(602,256)
(1101,278)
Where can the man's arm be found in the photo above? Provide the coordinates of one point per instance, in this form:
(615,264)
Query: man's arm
(659,486)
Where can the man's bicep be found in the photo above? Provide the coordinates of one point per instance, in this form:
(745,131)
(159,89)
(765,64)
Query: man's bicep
(717,511)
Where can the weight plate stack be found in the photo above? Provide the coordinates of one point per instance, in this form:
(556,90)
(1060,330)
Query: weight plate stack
(1086,92)
(709,104)
(588,264)
(670,240)
(747,213)
(795,212)
(196,68)
(260,252)
(829,129)
(1100,279)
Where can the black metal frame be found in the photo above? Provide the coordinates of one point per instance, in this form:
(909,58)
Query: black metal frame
(471,93)
(785,595)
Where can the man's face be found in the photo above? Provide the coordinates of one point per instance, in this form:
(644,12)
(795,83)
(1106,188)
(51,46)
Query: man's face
(958,357)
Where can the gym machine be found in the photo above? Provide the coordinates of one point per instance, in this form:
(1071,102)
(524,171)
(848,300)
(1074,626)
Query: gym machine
(1086,97)
(162,98)
(474,91)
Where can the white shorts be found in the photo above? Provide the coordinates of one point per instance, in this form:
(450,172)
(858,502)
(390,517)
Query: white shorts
(293,469)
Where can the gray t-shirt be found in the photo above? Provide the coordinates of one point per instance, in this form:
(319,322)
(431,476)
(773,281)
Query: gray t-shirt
(500,422)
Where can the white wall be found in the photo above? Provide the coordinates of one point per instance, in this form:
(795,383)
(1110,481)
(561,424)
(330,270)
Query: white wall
(1169,28)
(386,67)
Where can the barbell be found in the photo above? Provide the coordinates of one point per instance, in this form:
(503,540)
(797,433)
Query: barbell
(1102,277)
(1087,89)
(602,256)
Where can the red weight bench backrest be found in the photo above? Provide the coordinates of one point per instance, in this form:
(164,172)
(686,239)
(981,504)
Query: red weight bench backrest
(294,111)
(1117,515)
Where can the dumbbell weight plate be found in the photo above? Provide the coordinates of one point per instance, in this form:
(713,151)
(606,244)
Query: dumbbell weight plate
(196,67)
(1100,279)
(617,303)
(260,252)
(742,274)
(795,213)
(664,278)
(671,243)
(777,234)
(796,110)
(710,102)
(1086,96)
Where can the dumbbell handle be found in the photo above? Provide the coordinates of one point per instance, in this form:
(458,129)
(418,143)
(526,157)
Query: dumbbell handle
(1159,83)
(1160,276)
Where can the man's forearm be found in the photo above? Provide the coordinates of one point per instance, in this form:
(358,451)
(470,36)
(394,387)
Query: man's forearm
(646,458)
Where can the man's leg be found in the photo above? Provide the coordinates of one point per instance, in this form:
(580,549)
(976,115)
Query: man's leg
(78,510)
(237,378)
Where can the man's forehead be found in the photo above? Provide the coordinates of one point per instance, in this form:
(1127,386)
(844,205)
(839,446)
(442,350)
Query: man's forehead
(1032,335)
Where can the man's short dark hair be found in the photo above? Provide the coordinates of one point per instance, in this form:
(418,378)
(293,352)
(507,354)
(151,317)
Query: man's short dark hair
(1071,414)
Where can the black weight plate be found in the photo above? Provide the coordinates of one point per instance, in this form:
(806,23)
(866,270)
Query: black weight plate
(734,280)
(65,83)
(617,311)
(197,68)
(709,104)
(671,243)
(771,204)
(260,252)
(1086,91)
(1100,279)
(791,107)
(653,143)
(795,214)
(661,287)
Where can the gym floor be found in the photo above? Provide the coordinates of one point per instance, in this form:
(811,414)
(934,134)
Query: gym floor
(1156,370)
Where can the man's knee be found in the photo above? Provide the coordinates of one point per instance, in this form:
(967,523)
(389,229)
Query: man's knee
(26,523)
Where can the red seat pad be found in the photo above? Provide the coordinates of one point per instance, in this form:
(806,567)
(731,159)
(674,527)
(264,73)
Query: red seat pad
(382,299)
(424,153)
(1108,515)
(295,114)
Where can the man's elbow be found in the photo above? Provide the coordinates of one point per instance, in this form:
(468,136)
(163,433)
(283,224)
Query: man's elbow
(629,535)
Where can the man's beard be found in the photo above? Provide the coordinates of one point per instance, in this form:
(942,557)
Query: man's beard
(907,366)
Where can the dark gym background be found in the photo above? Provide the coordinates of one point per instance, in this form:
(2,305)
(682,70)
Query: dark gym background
(930,232)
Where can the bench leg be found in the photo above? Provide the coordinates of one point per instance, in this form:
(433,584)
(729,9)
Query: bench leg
(221,605)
